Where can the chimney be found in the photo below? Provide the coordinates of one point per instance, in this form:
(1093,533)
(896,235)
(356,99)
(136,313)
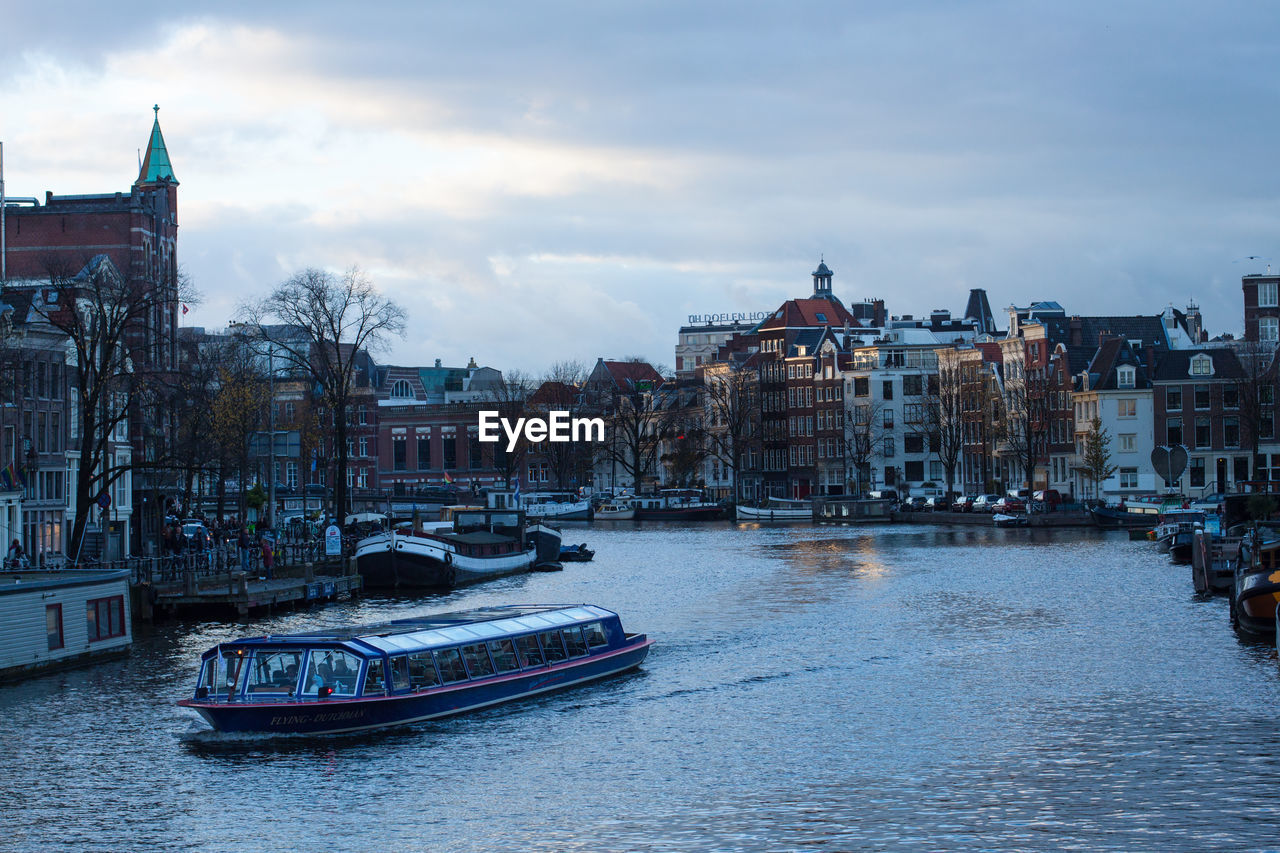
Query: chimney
(437,362)
(877,312)
(472,362)
(1075,334)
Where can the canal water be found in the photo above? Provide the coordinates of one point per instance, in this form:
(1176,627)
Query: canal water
(811,688)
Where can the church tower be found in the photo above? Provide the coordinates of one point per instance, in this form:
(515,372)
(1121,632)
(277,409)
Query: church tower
(822,282)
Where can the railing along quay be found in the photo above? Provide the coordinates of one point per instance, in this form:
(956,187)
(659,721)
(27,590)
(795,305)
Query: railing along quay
(219,578)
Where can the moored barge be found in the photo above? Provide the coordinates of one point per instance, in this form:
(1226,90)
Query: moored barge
(408,670)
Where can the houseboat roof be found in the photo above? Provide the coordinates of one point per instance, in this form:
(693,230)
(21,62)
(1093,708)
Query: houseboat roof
(440,629)
(28,580)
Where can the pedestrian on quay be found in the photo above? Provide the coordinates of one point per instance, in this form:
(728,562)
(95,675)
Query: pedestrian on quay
(268,558)
(243,543)
(16,558)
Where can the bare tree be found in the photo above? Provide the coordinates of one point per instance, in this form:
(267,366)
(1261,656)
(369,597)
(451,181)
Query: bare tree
(943,418)
(1025,426)
(100,313)
(317,322)
(1255,390)
(863,430)
(509,397)
(561,390)
(732,404)
(640,424)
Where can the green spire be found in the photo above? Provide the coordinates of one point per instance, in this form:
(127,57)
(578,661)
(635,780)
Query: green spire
(156,166)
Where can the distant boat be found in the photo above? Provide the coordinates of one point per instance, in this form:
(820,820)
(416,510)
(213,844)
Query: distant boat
(677,505)
(1176,532)
(776,509)
(576,553)
(1115,518)
(615,511)
(555,506)
(1002,520)
(471,544)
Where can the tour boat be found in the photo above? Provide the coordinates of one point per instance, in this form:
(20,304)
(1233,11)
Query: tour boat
(676,505)
(776,509)
(409,670)
(616,511)
(469,545)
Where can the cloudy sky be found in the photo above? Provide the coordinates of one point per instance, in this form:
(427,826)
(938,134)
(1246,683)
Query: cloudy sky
(543,181)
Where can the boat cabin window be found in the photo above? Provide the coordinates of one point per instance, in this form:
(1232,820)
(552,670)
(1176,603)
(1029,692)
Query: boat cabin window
(477,658)
(374,681)
(573,641)
(530,654)
(332,668)
(219,674)
(594,633)
(451,668)
(422,671)
(399,672)
(503,653)
(273,671)
(552,646)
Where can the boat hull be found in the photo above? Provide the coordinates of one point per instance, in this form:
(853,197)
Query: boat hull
(1254,601)
(335,716)
(1116,519)
(755,513)
(428,564)
(701,513)
(615,515)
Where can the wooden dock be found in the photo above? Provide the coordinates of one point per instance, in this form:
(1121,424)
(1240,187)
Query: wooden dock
(243,593)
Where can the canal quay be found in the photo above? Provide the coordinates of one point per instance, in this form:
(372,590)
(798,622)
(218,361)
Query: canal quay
(877,687)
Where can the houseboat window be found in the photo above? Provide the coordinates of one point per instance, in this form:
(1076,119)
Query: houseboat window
(574,643)
(477,658)
(504,655)
(594,633)
(422,671)
(530,654)
(399,672)
(451,668)
(333,668)
(273,671)
(552,646)
(105,617)
(219,674)
(375,683)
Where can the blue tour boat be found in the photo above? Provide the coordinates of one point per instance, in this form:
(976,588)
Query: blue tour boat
(408,670)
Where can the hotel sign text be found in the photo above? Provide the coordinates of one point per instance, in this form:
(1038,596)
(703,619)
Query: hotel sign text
(708,319)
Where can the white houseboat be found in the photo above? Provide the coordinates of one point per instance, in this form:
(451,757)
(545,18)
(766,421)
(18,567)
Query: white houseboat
(55,620)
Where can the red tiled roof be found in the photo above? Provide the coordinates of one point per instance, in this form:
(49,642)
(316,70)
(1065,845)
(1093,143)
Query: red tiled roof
(804,313)
(623,372)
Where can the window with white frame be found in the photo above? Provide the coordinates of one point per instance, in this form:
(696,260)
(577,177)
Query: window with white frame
(1128,478)
(1126,408)
(1268,328)
(1127,441)
(1124,377)
(1267,294)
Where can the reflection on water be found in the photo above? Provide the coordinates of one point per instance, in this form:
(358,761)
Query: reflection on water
(817,688)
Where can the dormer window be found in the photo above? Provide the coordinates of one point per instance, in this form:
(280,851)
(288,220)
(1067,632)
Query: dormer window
(400,390)
(1202,365)
(822,318)
(1124,377)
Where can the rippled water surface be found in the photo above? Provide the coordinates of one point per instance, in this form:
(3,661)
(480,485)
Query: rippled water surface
(811,688)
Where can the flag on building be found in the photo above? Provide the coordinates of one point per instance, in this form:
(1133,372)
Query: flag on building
(7,478)
(447,478)
(184,310)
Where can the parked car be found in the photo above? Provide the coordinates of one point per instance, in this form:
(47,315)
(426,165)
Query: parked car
(1023,495)
(883,495)
(964,503)
(1009,505)
(1047,499)
(915,504)
(985,503)
(936,503)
